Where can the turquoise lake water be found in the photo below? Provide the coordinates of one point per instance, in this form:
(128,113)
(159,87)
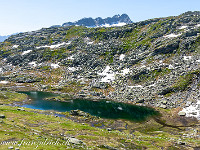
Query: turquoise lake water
(100,108)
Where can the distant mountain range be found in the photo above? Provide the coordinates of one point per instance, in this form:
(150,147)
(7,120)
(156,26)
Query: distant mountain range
(117,20)
(2,38)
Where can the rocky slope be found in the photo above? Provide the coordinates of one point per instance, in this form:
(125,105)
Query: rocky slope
(153,62)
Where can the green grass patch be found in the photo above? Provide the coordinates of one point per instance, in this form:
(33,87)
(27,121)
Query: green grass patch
(7,97)
(145,75)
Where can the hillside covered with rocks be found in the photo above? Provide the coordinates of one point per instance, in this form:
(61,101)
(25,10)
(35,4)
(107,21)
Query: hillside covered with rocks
(154,62)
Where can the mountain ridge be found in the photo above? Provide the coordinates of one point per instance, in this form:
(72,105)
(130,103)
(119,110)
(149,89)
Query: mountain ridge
(97,22)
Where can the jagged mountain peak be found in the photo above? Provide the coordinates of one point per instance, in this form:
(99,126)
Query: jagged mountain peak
(90,22)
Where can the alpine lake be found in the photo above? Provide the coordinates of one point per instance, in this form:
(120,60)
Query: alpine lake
(100,108)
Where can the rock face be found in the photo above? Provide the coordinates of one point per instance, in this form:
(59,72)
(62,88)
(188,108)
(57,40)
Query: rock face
(89,22)
(153,62)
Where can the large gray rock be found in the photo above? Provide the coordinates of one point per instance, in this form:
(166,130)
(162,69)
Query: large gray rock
(74,141)
(78,113)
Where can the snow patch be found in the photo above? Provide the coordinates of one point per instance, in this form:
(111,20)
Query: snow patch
(4,82)
(54,66)
(53,46)
(121,57)
(171,67)
(106,70)
(106,25)
(198,25)
(26,52)
(90,42)
(33,64)
(143,66)
(125,71)
(183,27)
(136,86)
(15,46)
(114,25)
(71,68)
(187,57)
(172,35)
(119,24)
(71,57)
(109,75)
(193,110)
(152,85)
(108,78)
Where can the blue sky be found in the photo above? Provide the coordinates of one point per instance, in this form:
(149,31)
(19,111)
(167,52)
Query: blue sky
(28,15)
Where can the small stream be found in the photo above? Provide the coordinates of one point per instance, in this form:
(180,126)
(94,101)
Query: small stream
(100,108)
